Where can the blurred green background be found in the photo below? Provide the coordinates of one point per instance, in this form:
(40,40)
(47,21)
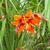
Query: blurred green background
(9,40)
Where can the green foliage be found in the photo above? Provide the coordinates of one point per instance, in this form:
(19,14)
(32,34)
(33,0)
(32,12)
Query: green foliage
(9,39)
(47,13)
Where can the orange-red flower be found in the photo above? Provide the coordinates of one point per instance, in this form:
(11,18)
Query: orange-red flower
(1,16)
(25,22)
(35,19)
(18,49)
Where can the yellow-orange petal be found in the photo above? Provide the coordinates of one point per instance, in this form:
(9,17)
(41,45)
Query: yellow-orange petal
(15,23)
(24,20)
(29,28)
(20,27)
(28,14)
(18,18)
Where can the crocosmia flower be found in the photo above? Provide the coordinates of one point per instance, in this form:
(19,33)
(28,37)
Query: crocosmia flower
(26,21)
(18,49)
(1,16)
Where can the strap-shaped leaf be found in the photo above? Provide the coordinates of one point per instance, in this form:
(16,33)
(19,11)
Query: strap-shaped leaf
(2,30)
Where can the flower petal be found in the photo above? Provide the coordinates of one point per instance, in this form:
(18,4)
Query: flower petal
(15,23)
(24,20)
(32,21)
(20,27)
(18,18)
(28,14)
(29,28)
(37,16)
(35,20)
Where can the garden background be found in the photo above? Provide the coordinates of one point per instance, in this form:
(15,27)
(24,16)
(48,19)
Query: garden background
(9,40)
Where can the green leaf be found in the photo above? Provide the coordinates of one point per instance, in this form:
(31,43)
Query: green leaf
(47,12)
(2,30)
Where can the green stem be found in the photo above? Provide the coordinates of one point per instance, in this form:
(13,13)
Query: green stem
(14,6)
(47,12)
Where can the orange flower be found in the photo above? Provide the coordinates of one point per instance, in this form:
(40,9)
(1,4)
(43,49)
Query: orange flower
(1,16)
(35,19)
(18,20)
(18,49)
(26,21)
